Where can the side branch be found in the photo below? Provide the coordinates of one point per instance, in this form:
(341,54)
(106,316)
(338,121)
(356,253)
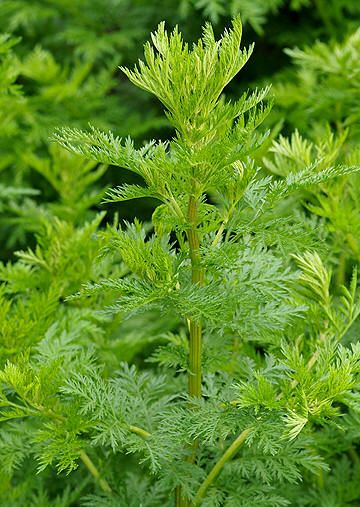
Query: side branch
(228,454)
(85,458)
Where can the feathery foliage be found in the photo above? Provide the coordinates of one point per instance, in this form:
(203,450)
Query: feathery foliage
(209,357)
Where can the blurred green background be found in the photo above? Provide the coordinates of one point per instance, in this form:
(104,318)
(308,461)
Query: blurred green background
(60,66)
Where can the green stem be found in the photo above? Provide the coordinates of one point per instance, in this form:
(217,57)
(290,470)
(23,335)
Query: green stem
(85,458)
(94,471)
(139,431)
(224,223)
(228,454)
(195,326)
(219,233)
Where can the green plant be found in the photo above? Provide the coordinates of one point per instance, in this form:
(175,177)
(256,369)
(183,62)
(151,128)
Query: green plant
(257,374)
(62,64)
(319,98)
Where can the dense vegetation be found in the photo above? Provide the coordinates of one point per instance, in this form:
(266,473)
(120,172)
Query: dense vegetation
(179,317)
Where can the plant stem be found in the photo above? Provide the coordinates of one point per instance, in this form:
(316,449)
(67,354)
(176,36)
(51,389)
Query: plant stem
(94,471)
(228,454)
(195,326)
(197,277)
(140,431)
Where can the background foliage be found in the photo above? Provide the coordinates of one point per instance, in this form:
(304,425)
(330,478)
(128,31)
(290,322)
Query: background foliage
(59,67)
